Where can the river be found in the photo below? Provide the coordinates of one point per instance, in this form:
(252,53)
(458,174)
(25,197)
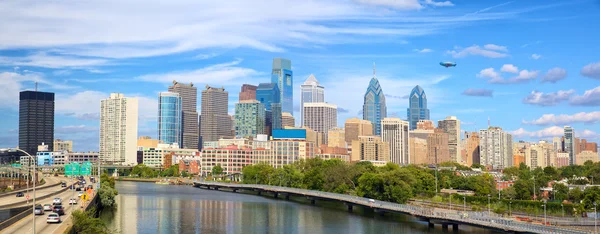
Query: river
(152,208)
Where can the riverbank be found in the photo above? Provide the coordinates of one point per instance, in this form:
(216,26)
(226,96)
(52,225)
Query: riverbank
(168,180)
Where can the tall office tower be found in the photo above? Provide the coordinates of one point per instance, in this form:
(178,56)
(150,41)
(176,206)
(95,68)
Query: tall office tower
(336,138)
(374,108)
(268,95)
(118,129)
(248,92)
(36,120)
(418,149)
(557,145)
(394,131)
(189,123)
(569,144)
(472,148)
(320,116)
(311,91)
(356,127)
(417,107)
(169,118)
(287,120)
(451,125)
(284,78)
(495,148)
(437,147)
(249,118)
(216,122)
(60,145)
(370,148)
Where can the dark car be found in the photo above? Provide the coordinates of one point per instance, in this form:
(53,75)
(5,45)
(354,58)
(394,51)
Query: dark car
(78,189)
(90,186)
(58,209)
(64,185)
(20,194)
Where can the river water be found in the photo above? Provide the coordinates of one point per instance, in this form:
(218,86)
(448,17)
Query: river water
(152,208)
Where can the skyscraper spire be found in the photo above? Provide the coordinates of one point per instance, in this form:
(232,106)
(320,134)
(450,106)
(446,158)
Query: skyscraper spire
(374,70)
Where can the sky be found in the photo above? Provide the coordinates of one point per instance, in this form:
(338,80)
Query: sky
(531,67)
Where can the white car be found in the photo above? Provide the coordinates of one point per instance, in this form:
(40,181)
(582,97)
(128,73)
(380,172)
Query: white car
(53,218)
(47,207)
(72,201)
(80,193)
(57,201)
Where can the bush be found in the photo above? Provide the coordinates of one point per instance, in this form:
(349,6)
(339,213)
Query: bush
(85,223)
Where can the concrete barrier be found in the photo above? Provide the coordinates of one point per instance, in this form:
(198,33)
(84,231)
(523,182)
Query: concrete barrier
(15,205)
(15,218)
(41,186)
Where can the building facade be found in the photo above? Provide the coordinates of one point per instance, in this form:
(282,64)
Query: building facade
(118,129)
(472,148)
(248,92)
(215,121)
(585,156)
(336,138)
(268,95)
(370,148)
(169,118)
(249,118)
(287,120)
(569,144)
(320,117)
(437,147)
(374,107)
(417,107)
(311,91)
(283,76)
(394,131)
(562,159)
(425,125)
(495,148)
(418,150)
(36,120)
(62,145)
(451,125)
(355,127)
(189,123)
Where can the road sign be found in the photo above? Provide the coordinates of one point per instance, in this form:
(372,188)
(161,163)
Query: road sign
(27,197)
(84,197)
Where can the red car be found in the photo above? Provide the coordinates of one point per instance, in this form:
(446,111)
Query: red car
(58,209)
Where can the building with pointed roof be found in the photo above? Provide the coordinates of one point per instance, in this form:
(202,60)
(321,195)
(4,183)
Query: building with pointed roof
(374,108)
(417,107)
(311,91)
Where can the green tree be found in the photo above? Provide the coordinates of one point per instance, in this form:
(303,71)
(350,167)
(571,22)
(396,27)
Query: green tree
(575,195)
(217,170)
(561,191)
(371,185)
(591,195)
(85,223)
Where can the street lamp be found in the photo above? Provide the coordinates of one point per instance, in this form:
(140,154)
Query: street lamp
(34,178)
(489,206)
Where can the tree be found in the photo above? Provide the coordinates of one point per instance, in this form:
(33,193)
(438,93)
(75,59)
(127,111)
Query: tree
(371,185)
(561,191)
(85,223)
(217,170)
(575,195)
(591,195)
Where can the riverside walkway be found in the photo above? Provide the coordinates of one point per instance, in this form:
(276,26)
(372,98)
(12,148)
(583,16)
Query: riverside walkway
(430,215)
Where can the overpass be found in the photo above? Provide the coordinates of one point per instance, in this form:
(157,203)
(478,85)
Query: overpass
(430,215)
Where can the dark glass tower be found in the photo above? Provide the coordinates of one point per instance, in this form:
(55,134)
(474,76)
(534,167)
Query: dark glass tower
(374,108)
(36,120)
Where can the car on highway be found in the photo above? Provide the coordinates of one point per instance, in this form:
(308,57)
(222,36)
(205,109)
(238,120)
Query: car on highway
(47,207)
(63,185)
(90,186)
(78,189)
(72,201)
(80,193)
(39,210)
(20,194)
(58,209)
(53,218)
(57,201)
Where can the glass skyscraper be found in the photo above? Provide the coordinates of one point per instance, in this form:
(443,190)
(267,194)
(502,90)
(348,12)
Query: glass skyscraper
(312,91)
(417,107)
(374,108)
(282,76)
(268,94)
(169,118)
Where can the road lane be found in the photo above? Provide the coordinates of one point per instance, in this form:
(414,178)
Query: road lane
(6,201)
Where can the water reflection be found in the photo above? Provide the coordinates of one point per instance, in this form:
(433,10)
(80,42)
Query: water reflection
(151,208)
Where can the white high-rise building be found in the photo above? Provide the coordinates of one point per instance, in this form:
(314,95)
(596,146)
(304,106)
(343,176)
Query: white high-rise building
(311,91)
(495,148)
(320,117)
(118,129)
(394,131)
(451,125)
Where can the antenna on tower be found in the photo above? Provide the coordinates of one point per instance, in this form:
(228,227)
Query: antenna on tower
(374,70)
(36,86)
(489,122)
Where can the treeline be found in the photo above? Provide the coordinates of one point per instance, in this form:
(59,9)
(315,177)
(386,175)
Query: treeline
(388,183)
(144,171)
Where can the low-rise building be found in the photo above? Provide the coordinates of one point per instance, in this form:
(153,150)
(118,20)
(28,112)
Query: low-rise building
(189,166)
(585,156)
(162,155)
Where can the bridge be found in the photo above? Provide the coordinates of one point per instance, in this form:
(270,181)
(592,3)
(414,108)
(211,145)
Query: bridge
(430,215)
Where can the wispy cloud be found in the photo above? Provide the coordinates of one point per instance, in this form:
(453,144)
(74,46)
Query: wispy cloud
(553,131)
(11,83)
(581,117)
(489,51)
(589,98)
(536,56)
(52,60)
(496,78)
(530,44)
(478,92)
(554,75)
(425,50)
(548,99)
(591,70)
(223,73)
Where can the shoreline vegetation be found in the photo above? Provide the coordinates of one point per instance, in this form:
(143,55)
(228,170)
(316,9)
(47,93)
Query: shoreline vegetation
(85,222)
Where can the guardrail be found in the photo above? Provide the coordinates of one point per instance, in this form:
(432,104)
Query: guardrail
(16,204)
(14,219)
(449,216)
(41,186)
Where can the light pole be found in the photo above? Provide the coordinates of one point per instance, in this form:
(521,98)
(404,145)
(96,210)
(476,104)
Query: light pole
(545,223)
(489,206)
(595,219)
(34,178)
(563,209)
(509,207)
(465,203)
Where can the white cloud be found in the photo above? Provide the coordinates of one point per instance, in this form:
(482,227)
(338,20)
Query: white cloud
(439,4)
(589,98)
(75,129)
(495,47)
(581,117)
(555,74)
(553,131)
(536,56)
(425,50)
(489,73)
(11,83)
(524,75)
(48,60)
(509,68)
(62,72)
(85,105)
(476,50)
(591,70)
(397,4)
(588,134)
(548,99)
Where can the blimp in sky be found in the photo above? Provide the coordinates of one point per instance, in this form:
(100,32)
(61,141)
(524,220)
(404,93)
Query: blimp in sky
(448,64)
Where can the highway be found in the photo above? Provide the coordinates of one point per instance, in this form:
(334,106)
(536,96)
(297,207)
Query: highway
(25,226)
(6,201)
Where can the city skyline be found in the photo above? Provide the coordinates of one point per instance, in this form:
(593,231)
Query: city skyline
(531,86)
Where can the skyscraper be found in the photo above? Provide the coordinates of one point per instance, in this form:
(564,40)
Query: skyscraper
(215,121)
(282,76)
(495,148)
(189,127)
(374,108)
(248,92)
(268,95)
(311,91)
(417,107)
(36,120)
(320,116)
(570,144)
(437,147)
(451,125)
(118,129)
(249,118)
(169,118)
(394,131)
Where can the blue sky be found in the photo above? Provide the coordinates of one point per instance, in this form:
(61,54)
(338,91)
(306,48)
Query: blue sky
(530,66)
